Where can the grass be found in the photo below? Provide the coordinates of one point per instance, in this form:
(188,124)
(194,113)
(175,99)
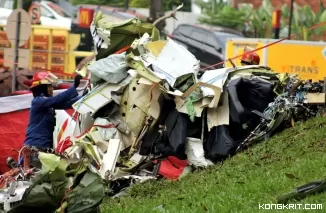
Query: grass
(257,176)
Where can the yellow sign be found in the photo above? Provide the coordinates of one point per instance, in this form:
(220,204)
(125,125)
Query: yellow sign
(305,60)
(235,48)
(85,17)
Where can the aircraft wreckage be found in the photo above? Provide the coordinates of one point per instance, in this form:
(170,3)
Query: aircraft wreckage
(149,113)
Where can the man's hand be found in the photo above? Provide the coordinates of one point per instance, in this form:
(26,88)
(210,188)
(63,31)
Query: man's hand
(77,80)
(85,92)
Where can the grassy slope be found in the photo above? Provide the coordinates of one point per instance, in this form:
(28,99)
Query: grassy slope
(241,183)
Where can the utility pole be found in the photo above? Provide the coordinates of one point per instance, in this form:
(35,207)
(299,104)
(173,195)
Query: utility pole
(156,11)
(276,23)
(290,21)
(15,68)
(126,4)
(20,4)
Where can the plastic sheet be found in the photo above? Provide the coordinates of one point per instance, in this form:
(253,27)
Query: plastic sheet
(112,69)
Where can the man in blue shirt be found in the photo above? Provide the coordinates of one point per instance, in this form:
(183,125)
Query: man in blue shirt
(42,113)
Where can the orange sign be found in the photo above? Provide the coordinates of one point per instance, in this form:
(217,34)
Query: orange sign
(292,58)
(35,13)
(276,19)
(85,17)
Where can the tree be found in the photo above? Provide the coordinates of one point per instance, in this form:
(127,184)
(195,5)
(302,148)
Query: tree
(156,11)
(140,3)
(304,18)
(221,14)
(168,4)
(111,3)
(259,20)
(26,4)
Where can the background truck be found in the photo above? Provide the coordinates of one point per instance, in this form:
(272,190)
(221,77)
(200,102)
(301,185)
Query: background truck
(307,59)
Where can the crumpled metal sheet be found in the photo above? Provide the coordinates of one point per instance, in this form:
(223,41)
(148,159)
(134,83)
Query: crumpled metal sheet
(106,133)
(216,78)
(110,37)
(171,61)
(107,169)
(5,197)
(137,64)
(112,69)
(136,103)
(83,123)
(220,115)
(99,97)
(121,131)
(199,105)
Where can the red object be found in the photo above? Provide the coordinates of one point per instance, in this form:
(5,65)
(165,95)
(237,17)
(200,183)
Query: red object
(251,58)
(41,78)
(62,130)
(28,83)
(95,125)
(35,13)
(170,36)
(171,168)
(122,50)
(85,17)
(63,145)
(276,20)
(59,86)
(21,92)
(12,135)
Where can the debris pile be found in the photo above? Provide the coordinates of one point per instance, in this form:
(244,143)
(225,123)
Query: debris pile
(151,113)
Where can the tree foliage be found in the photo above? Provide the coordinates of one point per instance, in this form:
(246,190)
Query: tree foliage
(258,22)
(304,18)
(26,4)
(111,3)
(140,3)
(168,4)
(221,14)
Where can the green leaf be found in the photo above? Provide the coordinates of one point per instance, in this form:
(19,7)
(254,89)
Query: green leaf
(48,187)
(140,3)
(86,197)
(54,165)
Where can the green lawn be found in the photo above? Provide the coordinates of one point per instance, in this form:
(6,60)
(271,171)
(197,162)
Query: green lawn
(294,157)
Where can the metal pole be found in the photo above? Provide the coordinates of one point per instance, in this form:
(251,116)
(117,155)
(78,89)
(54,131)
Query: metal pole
(276,23)
(19,4)
(17,37)
(126,4)
(290,21)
